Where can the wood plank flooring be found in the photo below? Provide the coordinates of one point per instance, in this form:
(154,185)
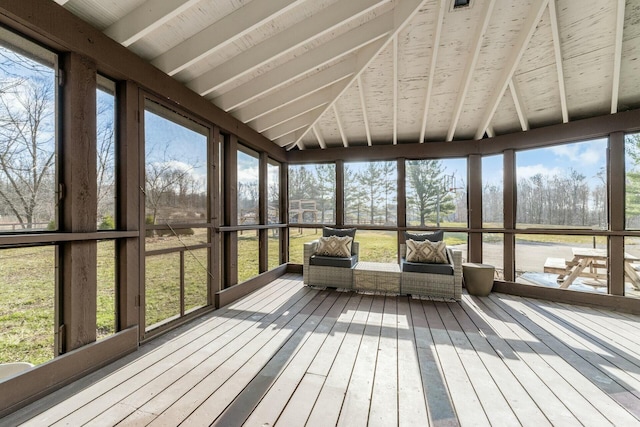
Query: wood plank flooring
(288,355)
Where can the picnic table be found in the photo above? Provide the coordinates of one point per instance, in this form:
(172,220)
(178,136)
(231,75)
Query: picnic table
(591,263)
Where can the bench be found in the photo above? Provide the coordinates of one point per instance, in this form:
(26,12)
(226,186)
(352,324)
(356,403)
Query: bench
(556,266)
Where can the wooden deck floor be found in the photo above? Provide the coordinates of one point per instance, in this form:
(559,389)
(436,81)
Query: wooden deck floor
(288,355)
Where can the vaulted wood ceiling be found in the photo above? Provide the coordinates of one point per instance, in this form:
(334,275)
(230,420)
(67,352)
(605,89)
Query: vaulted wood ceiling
(326,73)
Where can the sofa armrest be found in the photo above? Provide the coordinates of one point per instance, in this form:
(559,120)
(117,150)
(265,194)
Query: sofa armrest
(309,249)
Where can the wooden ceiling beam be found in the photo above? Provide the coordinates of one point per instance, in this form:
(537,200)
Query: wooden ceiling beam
(470,67)
(340,46)
(617,56)
(343,135)
(285,41)
(529,27)
(332,79)
(402,13)
(553,17)
(319,137)
(297,107)
(363,106)
(395,89)
(221,33)
(292,125)
(146,18)
(515,94)
(442,6)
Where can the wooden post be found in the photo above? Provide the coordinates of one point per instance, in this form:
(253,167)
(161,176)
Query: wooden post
(79,201)
(339,213)
(284,212)
(230,253)
(129,211)
(213,262)
(401,215)
(509,214)
(263,234)
(616,205)
(474,197)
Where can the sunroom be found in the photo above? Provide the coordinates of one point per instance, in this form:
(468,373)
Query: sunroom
(164,163)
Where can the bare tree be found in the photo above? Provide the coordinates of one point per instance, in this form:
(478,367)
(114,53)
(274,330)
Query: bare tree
(105,157)
(27,150)
(164,180)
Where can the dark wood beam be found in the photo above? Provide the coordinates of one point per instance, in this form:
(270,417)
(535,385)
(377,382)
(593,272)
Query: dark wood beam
(510,191)
(78,180)
(474,200)
(616,195)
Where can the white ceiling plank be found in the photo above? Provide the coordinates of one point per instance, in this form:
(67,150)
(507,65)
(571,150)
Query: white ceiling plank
(336,75)
(470,67)
(529,27)
(395,90)
(402,14)
(363,105)
(553,16)
(145,19)
(292,109)
(62,2)
(490,132)
(319,137)
(442,6)
(343,135)
(617,59)
(290,38)
(327,52)
(292,125)
(226,30)
(515,94)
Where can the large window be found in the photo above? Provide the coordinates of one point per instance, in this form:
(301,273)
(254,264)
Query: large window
(370,193)
(105,150)
(493,191)
(563,186)
(27,138)
(176,194)
(248,187)
(28,200)
(312,194)
(436,193)
(632,181)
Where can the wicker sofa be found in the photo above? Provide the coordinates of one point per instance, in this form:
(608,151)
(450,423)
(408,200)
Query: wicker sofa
(434,280)
(314,273)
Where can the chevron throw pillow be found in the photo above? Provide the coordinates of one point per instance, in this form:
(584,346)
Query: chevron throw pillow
(427,251)
(334,246)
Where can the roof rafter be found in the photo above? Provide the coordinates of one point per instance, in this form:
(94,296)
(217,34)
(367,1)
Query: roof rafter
(395,89)
(363,105)
(342,45)
(515,94)
(233,26)
(299,106)
(290,126)
(146,18)
(617,58)
(442,6)
(553,15)
(529,27)
(343,135)
(468,72)
(319,137)
(402,14)
(327,78)
(290,38)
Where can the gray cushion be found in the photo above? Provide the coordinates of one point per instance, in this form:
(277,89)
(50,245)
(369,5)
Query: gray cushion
(436,236)
(340,232)
(423,267)
(332,261)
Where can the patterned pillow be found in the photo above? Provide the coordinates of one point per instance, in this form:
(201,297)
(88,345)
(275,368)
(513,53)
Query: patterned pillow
(427,251)
(334,246)
(436,236)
